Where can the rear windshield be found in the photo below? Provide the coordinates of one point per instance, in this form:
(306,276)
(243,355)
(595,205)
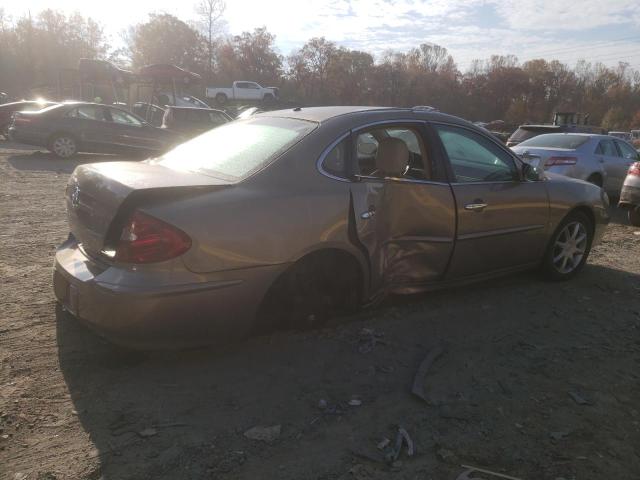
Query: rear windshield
(523,133)
(237,149)
(556,140)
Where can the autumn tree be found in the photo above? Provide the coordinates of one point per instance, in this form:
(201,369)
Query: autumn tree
(166,39)
(211,17)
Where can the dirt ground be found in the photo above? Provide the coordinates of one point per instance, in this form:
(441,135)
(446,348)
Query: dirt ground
(537,380)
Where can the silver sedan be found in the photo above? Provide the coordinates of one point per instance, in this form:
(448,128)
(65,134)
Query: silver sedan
(600,159)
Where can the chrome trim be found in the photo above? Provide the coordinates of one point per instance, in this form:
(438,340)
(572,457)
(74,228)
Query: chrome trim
(516,182)
(387,122)
(415,180)
(416,238)
(476,206)
(503,231)
(326,152)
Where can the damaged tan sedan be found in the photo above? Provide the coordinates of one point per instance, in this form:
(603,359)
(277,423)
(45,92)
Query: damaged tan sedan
(290,217)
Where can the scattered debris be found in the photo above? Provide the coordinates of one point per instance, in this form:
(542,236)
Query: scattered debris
(148,432)
(263,434)
(418,382)
(403,438)
(558,435)
(445,455)
(466,475)
(368,339)
(579,399)
(355,402)
(384,443)
(322,404)
(20,476)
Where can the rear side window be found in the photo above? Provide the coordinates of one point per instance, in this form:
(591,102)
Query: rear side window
(88,112)
(474,158)
(335,162)
(556,140)
(522,134)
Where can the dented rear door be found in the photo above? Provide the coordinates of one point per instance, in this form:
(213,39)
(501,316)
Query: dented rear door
(408,229)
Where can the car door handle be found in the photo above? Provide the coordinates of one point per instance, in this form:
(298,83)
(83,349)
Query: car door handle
(475,207)
(368,214)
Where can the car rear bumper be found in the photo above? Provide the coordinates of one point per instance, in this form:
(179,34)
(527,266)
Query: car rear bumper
(629,196)
(204,311)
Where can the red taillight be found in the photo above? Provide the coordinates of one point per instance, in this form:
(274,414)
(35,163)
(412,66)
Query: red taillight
(634,169)
(553,161)
(145,239)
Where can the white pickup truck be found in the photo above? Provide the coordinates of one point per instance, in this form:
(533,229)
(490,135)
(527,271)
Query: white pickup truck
(242,90)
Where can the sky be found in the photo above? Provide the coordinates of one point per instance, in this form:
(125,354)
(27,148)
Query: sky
(594,30)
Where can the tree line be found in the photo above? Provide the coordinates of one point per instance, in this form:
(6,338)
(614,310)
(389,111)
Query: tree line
(33,49)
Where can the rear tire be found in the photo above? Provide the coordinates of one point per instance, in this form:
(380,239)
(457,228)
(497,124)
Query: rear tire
(568,248)
(221,98)
(63,146)
(312,291)
(634,216)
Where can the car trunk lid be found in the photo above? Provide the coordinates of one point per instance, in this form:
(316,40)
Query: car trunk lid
(538,156)
(98,192)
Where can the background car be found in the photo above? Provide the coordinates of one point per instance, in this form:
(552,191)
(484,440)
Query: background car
(276,221)
(630,194)
(69,128)
(153,114)
(599,159)
(190,121)
(7,110)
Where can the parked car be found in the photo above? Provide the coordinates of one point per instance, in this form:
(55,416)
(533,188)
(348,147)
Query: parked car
(190,121)
(68,128)
(166,99)
(248,112)
(8,109)
(630,194)
(153,114)
(525,132)
(626,136)
(242,91)
(599,159)
(276,221)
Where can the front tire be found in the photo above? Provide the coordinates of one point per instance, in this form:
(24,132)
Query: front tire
(63,146)
(634,216)
(569,247)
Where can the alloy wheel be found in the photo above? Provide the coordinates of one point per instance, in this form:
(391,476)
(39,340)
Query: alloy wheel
(570,247)
(64,147)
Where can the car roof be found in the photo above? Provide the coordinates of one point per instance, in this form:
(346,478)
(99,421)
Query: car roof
(325,114)
(174,107)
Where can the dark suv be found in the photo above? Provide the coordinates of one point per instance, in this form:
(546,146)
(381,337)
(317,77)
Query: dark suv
(191,121)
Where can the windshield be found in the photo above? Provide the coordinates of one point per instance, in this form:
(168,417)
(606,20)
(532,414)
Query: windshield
(556,140)
(237,149)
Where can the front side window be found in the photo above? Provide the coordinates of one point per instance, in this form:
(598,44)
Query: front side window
(628,151)
(474,158)
(237,149)
(124,118)
(607,147)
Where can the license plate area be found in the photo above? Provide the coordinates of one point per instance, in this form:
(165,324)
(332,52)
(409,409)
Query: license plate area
(66,293)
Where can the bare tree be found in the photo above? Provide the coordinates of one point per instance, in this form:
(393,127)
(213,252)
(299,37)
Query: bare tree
(210,12)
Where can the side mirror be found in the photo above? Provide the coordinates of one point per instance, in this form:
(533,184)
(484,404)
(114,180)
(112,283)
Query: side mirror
(531,173)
